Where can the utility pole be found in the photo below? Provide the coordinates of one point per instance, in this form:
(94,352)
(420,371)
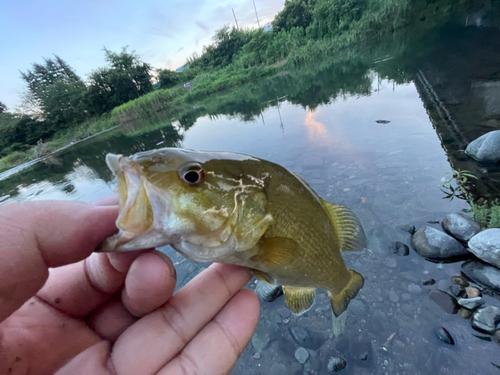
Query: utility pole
(256,15)
(235,20)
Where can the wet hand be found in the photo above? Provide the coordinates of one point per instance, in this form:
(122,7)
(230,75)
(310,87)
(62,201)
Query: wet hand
(65,309)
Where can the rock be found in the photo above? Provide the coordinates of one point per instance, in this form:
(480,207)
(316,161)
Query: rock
(262,335)
(471,303)
(447,302)
(429,282)
(284,312)
(391,262)
(486,147)
(483,274)
(407,228)
(486,246)
(397,247)
(301,355)
(445,336)
(268,292)
(256,355)
(393,297)
(486,319)
(464,313)
(336,364)
(460,226)
(299,334)
(414,289)
(472,292)
(435,245)
(457,290)
(459,280)
(496,336)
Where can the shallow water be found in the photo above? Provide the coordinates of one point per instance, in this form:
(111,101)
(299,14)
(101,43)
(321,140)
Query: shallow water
(389,174)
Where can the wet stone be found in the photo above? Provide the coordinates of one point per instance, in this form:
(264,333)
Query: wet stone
(457,290)
(284,312)
(268,292)
(336,364)
(460,226)
(393,297)
(496,337)
(397,247)
(301,355)
(486,147)
(472,292)
(464,313)
(486,246)
(435,245)
(391,262)
(299,334)
(414,289)
(459,280)
(447,302)
(482,274)
(471,303)
(486,319)
(429,282)
(445,336)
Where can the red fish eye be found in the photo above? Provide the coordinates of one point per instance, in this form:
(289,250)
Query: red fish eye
(193,176)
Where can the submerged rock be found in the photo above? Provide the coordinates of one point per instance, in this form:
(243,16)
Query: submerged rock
(457,290)
(486,147)
(397,247)
(435,245)
(445,336)
(459,280)
(486,319)
(268,292)
(483,274)
(460,226)
(472,292)
(444,300)
(336,364)
(486,246)
(301,355)
(471,303)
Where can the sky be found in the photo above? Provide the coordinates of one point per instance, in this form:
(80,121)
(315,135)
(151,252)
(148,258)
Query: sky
(163,33)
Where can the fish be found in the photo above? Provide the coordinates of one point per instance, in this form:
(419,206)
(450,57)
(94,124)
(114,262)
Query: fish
(233,208)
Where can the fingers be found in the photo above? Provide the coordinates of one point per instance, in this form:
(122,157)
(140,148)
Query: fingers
(43,234)
(161,335)
(218,346)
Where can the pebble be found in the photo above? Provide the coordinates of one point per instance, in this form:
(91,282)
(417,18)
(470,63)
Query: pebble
(472,292)
(393,296)
(459,280)
(429,282)
(471,303)
(336,364)
(284,312)
(464,313)
(486,319)
(391,262)
(445,336)
(447,302)
(457,290)
(299,334)
(268,292)
(414,289)
(397,247)
(301,355)
(256,355)
(496,336)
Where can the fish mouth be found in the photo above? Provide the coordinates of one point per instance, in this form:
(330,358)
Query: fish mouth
(139,218)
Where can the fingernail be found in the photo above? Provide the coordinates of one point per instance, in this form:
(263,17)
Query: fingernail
(170,264)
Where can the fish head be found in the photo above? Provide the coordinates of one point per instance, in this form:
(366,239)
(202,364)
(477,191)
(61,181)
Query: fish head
(206,205)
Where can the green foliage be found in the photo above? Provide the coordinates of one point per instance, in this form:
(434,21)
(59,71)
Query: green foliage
(126,78)
(168,78)
(3,108)
(487,214)
(296,13)
(460,178)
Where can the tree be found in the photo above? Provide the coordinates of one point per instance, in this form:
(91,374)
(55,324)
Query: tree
(296,13)
(125,78)
(3,108)
(168,78)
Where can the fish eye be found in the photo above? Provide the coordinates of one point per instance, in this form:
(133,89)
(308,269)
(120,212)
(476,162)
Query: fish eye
(192,174)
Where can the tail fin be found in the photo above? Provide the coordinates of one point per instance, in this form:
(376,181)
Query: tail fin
(341,300)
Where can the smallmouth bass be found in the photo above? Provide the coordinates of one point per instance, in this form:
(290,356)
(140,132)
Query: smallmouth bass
(233,208)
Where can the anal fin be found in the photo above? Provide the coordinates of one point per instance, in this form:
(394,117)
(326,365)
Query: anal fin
(341,300)
(299,300)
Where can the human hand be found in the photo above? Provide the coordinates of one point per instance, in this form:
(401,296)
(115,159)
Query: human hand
(65,309)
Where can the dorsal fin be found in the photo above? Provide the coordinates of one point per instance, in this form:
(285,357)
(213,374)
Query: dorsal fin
(347,227)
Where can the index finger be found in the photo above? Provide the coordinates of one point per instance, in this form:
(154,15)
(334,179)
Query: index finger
(43,234)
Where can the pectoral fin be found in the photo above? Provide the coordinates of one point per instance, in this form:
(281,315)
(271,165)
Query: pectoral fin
(276,251)
(298,300)
(262,276)
(341,300)
(347,227)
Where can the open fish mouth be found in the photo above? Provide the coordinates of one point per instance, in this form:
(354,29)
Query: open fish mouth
(138,223)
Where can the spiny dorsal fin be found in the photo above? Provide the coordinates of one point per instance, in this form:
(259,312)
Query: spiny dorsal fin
(276,251)
(341,300)
(262,276)
(347,227)
(299,300)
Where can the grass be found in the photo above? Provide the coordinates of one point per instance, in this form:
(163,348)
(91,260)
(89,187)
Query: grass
(487,214)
